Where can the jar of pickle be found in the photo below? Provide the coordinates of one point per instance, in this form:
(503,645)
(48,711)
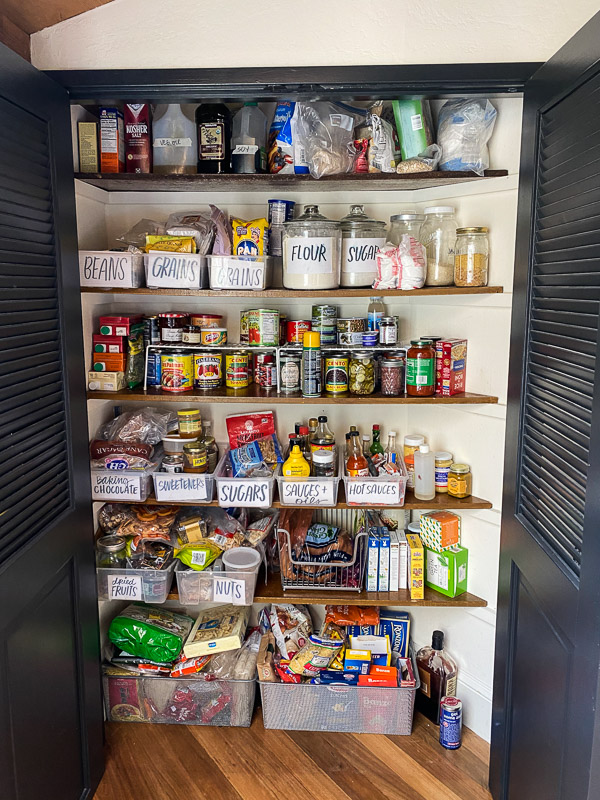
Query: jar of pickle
(362,372)
(111,551)
(195,457)
(460,480)
(392,377)
(471,257)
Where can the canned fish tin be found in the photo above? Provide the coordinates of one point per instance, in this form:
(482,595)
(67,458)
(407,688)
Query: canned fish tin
(350,331)
(236,371)
(450,723)
(289,370)
(176,372)
(336,373)
(153,371)
(244,322)
(265,373)
(208,370)
(325,314)
(213,337)
(295,330)
(263,327)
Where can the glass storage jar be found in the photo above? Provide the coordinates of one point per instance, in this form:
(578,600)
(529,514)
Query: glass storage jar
(420,368)
(362,238)
(460,480)
(111,551)
(392,377)
(471,257)
(361,370)
(438,234)
(312,246)
(410,222)
(195,457)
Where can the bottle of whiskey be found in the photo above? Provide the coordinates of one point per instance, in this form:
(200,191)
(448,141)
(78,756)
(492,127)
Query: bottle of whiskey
(437,672)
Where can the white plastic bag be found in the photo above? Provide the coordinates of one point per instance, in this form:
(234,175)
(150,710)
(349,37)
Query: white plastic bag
(464,129)
(403,267)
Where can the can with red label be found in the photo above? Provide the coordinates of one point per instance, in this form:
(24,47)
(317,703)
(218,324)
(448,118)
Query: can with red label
(265,370)
(450,723)
(296,328)
(236,370)
(208,370)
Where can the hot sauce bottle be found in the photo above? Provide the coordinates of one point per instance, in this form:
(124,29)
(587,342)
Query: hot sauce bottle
(437,672)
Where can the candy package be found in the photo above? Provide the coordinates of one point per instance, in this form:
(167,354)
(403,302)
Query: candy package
(189,666)
(150,633)
(141,425)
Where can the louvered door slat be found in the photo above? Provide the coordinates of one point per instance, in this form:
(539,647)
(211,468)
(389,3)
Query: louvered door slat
(554,228)
(41,417)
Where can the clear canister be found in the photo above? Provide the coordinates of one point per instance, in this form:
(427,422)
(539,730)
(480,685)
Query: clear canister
(438,234)
(471,257)
(362,238)
(410,222)
(311,251)
(362,372)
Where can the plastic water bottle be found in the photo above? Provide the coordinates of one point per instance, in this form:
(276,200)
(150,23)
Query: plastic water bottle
(249,140)
(424,473)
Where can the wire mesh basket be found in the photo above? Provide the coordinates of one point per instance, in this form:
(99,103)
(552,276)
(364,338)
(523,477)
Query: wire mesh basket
(300,571)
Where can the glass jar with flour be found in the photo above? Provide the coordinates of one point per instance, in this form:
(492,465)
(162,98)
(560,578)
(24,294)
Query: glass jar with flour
(311,251)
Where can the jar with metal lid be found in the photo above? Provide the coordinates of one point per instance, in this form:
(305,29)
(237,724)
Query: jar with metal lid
(195,457)
(410,222)
(171,327)
(443,462)
(212,453)
(111,551)
(460,480)
(190,335)
(362,238)
(388,330)
(438,234)
(189,423)
(471,257)
(420,368)
(173,463)
(323,464)
(362,372)
(311,251)
(290,364)
(392,377)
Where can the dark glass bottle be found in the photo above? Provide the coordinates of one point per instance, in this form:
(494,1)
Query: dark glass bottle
(437,672)
(213,122)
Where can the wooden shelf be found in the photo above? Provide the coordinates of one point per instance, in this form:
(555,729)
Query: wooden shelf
(254,394)
(238,183)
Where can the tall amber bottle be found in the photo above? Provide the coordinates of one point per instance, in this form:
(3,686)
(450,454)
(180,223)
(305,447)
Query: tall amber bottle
(437,672)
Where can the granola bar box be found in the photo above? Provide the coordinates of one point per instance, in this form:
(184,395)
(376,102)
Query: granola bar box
(217,629)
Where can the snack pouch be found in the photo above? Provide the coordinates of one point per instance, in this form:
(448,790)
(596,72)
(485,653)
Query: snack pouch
(150,633)
(250,238)
(250,456)
(244,428)
(317,654)
(291,626)
(198,556)
(351,615)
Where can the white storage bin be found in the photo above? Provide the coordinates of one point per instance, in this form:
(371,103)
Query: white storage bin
(147,585)
(243,492)
(206,586)
(166,270)
(183,486)
(111,269)
(383,490)
(122,484)
(308,491)
(240,272)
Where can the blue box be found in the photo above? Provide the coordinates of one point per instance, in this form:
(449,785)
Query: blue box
(373,562)
(362,630)
(396,625)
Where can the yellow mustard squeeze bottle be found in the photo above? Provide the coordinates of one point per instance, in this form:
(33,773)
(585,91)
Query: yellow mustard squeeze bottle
(296,465)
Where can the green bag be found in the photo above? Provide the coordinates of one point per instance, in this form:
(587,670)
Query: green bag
(149,632)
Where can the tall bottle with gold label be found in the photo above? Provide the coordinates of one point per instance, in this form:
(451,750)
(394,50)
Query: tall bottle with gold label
(213,121)
(437,672)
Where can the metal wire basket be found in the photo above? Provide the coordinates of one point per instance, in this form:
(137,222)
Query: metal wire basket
(299,573)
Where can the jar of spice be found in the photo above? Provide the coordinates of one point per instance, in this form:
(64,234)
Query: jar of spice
(173,463)
(362,372)
(420,369)
(438,234)
(189,423)
(311,251)
(392,377)
(111,551)
(323,463)
(443,462)
(171,327)
(471,257)
(460,480)
(362,238)
(195,457)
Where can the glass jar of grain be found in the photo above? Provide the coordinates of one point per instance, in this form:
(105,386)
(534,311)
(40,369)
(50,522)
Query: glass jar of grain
(471,257)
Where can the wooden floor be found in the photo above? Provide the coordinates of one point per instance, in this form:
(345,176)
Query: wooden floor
(163,762)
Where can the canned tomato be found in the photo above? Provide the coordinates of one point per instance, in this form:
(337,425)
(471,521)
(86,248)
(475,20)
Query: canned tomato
(295,330)
(450,723)
(265,372)
(263,327)
(236,370)
(289,370)
(244,322)
(213,337)
(336,373)
(208,370)
(176,372)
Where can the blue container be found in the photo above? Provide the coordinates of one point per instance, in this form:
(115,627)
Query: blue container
(450,723)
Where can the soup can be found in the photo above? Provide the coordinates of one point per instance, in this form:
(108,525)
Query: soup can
(236,371)
(213,337)
(450,723)
(208,370)
(295,330)
(290,364)
(336,373)
(265,371)
(263,327)
(176,371)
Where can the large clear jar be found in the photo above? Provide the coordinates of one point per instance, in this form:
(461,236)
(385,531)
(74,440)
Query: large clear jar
(438,234)
(312,247)
(362,238)
(361,379)
(471,258)
(174,140)
(410,222)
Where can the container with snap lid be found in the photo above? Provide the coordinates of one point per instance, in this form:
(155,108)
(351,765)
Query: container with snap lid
(438,234)
(362,238)
(311,251)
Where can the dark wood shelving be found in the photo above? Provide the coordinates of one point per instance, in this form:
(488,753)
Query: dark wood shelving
(238,183)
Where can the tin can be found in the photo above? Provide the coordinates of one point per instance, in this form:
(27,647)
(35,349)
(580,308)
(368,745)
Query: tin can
(388,330)
(213,337)
(282,327)
(324,322)
(244,330)
(263,327)
(153,371)
(289,370)
(336,373)
(208,370)
(265,372)
(151,330)
(450,723)
(295,330)
(325,314)
(172,463)
(280,211)
(236,371)
(176,371)
(350,331)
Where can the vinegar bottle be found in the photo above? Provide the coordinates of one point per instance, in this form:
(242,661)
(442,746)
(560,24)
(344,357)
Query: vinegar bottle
(424,473)
(437,672)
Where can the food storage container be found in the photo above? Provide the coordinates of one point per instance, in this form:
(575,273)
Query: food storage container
(145,585)
(167,270)
(240,272)
(183,486)
(209,586)
(111,269)
(243,492)
(382,490)
(362,238)
(362,372)
(311,251)
(471,258)
(410,222)
(438,234)
(308,491)
(122,485)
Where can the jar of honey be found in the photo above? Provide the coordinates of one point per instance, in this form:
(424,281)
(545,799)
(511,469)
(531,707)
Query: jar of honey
(189,423)
(420,368)
(195,457)
(460,480)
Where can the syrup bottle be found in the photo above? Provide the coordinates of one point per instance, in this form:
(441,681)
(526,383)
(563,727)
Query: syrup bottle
(437,671)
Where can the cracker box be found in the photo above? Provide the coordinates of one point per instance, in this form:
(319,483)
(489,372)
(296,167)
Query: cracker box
(440,529)
(106,381)
(379,676)
(450,366)
(378,646)
(415,566)
(112,141)
(447,572)
(217,630)
(396,625)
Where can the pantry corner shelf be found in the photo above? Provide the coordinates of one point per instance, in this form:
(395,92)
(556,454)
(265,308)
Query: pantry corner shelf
(124,182)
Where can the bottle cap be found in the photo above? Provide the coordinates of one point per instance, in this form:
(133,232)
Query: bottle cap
(303,430)
(366,437)
(460,468)
(423,448)
(322,418)
(440,210)
(375,427)
(443,455)
(414,440)
(322,456)
(311,339)
(391,433)
(437,640)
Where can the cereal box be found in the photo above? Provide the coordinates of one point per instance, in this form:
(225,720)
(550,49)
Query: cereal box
(440,530)
(415,566)
(450,366)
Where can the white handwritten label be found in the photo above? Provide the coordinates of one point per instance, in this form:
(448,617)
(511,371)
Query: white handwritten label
(112,485)
(106,269)
(125,587)
(247,493)
(232,273)
(173,270)
(358,255)
(229,590)
(385,493)
(307,493)
(312,256)
(166,142)
(180,486)
(244,149)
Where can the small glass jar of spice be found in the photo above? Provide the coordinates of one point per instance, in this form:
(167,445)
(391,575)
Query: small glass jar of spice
(460,480)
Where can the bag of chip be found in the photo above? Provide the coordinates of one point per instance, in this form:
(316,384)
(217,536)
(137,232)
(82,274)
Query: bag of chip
(352,615)
(250,238)
(291,626)
(150,633)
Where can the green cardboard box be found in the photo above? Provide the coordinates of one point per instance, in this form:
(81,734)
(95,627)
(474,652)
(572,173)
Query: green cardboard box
(447,572)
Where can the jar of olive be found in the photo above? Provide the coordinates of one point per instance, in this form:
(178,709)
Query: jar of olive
(362,372)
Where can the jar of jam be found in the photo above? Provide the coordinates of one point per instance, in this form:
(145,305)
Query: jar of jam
(190,334)
(171,327)
(195,458)
(173,463)
(420,368)
(460,480)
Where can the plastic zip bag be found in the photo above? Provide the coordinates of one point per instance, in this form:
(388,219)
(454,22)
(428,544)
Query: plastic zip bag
(464,129)
(326,133)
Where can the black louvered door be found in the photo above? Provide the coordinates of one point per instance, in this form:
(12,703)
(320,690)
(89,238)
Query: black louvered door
(546,723)
(50,706)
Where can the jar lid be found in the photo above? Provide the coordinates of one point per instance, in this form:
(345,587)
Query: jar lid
(173,459)
(443,455)
(420,342)
(172,315)
(194,447)
(322,456)
(312,217)
(414,439)
(391,362)
(460,468)
(414,527)
(111,544)
(357,219)
(408,216)
(472,230)
(188,412)
(363,354)
(388,320)
(209,441)
(432,338)
(440,210)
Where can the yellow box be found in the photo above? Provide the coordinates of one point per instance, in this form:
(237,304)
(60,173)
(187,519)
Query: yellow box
(416,566)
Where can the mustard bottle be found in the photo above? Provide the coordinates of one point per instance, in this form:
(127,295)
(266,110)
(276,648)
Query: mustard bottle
(296,465)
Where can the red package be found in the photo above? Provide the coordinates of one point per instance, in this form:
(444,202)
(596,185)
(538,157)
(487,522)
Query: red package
(450,366)
(245,428)
(352,615)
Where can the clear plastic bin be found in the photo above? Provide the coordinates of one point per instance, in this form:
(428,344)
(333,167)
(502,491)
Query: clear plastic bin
(240,272)
(166,270)
(178,701)
(308,491)
(243,492)
(147,585)
(383,490)
(121,485)
(206,586)
(184,486)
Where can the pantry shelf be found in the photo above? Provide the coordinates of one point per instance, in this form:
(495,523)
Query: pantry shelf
(124,182)
(255,393)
